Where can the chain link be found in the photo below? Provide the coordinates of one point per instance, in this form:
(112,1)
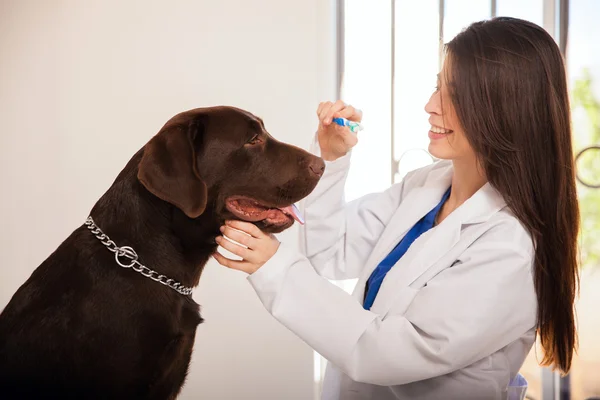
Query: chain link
(125,253)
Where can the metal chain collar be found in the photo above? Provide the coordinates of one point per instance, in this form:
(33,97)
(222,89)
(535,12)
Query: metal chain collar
(129,253)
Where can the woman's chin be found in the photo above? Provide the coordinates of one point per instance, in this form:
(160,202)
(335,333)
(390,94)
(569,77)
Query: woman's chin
(438,151)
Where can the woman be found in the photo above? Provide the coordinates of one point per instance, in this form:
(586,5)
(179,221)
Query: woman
(461,263)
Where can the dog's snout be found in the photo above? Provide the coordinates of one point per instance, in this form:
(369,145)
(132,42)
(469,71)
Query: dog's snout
(317,166)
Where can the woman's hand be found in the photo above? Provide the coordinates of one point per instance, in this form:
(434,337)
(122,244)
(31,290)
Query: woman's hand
(335,141)
(258,247)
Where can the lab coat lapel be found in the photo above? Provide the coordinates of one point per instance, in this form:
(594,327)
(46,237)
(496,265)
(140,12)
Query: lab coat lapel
(417,203)
(433,245)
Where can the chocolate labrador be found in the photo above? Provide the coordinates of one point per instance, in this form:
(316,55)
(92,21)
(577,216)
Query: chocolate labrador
(109,314)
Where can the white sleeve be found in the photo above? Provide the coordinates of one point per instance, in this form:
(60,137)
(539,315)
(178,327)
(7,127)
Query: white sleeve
(338,237)
(467,312)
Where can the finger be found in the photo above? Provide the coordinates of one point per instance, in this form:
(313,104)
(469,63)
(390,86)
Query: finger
(352,114)
(336,107)
(324,112)
(321,106)
(349,113)
(358,115)
(351,139)
(247,227)
(240,237)
(233,264)
(233,248)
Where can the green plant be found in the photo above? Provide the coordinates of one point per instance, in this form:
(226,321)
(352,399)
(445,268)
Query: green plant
(587,132)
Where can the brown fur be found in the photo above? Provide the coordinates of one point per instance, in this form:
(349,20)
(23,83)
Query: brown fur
(83,327)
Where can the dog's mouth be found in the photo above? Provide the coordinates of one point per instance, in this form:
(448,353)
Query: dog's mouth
(251,210)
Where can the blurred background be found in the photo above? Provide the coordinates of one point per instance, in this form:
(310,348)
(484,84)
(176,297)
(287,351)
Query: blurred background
(85,83)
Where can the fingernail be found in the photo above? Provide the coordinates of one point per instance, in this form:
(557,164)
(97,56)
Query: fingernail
(218,239)
(222,228)
(328,121)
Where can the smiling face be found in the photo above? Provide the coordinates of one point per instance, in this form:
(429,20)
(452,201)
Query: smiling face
(447,137)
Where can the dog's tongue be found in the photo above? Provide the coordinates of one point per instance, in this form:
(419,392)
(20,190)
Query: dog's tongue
(294,212)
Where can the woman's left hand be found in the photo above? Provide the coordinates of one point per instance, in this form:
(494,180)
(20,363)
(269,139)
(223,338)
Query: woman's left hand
(259,246)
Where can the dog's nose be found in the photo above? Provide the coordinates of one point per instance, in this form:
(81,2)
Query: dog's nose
(317,167)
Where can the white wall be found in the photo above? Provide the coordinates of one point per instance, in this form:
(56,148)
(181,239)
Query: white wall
(84,84)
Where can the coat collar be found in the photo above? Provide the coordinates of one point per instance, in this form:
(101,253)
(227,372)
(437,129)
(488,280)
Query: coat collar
(433,245)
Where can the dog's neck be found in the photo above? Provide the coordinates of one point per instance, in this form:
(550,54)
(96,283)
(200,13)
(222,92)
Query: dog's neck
(164,238)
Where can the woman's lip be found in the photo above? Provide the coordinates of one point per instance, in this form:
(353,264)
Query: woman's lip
(440,127)
(435,136)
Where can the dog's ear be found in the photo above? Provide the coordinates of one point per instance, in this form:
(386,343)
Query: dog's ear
(168,167)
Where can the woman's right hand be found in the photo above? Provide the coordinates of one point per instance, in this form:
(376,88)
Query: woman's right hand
(335,141)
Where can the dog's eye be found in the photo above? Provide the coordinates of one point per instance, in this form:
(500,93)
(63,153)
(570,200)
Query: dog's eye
(255,140)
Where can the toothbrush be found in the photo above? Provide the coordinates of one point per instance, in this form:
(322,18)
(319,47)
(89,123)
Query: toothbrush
(354,126)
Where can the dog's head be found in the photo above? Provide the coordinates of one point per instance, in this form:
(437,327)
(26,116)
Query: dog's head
(224,158)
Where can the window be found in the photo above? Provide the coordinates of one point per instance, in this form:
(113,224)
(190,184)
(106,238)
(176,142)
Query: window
(367,82)
(583,60)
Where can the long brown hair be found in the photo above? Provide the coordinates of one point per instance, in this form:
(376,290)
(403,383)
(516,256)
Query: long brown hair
(508,84)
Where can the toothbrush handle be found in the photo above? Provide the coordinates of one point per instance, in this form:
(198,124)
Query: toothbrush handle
(341,121)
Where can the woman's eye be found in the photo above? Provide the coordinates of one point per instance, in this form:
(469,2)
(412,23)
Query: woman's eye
(255,140)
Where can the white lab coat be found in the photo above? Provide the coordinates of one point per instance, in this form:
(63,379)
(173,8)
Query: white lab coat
(453,319)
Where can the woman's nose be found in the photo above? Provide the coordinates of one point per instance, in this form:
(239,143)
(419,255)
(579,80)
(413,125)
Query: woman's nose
(432,106)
